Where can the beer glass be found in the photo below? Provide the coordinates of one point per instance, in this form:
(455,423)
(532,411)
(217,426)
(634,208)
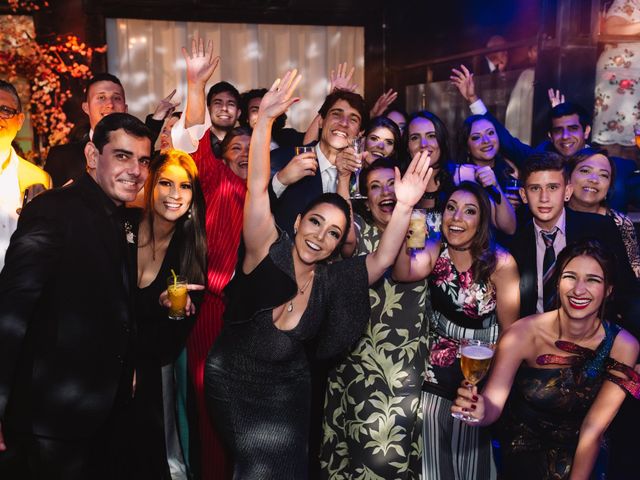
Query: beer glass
(417,229)
(636,131)
(304,149)
(475,360)
(177,291)
(357,143)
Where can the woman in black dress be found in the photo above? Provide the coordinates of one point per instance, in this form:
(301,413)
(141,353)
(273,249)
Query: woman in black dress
(282,298)
(169,236)
(560,405)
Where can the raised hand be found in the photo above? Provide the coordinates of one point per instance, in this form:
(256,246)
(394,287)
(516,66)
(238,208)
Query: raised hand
(410,188)
(486,176)
(464,82)
(165,107)
(280,96)
(383,102)
(342,80)
(200,63)
(555,97)
(348,162)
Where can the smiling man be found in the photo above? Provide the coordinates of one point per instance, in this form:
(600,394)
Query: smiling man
(19,178)
(536,244)
(223,101)
(300,178)
(67,320)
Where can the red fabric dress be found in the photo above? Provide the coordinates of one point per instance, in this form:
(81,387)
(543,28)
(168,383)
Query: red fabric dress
(224,194)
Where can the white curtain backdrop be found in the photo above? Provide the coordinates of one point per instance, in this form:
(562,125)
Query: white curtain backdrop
(146,56)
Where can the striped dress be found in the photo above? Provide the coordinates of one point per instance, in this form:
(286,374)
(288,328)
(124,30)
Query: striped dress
(461,308)
(224,194)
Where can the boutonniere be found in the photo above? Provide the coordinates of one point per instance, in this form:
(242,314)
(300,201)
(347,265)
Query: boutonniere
(128,230)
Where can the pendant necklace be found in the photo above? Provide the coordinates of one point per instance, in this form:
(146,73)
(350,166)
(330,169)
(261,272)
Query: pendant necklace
(301,292)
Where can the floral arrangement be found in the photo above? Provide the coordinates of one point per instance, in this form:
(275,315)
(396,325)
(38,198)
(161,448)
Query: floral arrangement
(48,69)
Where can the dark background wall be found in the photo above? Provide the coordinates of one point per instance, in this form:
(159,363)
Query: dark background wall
(398,34)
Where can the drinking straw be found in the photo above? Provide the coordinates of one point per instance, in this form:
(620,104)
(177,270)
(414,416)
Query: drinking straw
(175,278)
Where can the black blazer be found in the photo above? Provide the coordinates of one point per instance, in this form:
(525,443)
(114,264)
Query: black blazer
(579,225)
(66,162)
(297,196)
(66,314)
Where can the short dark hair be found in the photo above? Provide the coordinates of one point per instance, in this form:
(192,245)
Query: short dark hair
(378,164)
(101,77)
(223,87)
(539,162)
(117,121)
(397,110)
(589,247)
(236,132)
(337,201)
(567,108)
(246,97)
(353,99)
(11,90)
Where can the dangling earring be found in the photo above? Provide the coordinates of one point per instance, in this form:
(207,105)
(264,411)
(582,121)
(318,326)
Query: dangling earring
(295,230)
(189,213)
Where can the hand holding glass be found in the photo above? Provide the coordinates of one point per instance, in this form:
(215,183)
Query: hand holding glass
(357,143)
(475,360)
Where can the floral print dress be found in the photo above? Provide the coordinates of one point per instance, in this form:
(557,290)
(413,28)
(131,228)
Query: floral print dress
(617,103)
(372,424)
(461,308)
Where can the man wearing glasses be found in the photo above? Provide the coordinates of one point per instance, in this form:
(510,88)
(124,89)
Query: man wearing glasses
(20,179)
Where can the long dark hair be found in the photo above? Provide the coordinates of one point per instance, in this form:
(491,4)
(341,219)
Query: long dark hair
(589,247)
(337,201)
(191,228)
(384,122)
(483,248)
(462,151)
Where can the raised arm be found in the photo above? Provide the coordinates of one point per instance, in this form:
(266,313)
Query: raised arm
(200,66)
(409,191)
(506,279)
(603,411)
(510,146)
(259,228)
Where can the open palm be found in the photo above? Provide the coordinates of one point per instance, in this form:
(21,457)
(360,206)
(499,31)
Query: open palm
(280,96)
(200,63)
(410,188)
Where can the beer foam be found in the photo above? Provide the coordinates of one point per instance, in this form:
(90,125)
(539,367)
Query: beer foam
(477,352)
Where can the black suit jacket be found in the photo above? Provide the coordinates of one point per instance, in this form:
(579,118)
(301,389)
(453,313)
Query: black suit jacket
(66,162)
(297,196)
(579,225)
(66,315)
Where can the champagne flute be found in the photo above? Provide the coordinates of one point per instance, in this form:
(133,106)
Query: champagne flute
(357,143)
(475,360)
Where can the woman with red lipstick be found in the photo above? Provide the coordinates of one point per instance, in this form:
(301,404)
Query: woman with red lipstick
(381,376)
(565,372)
(474,288)
(592,174)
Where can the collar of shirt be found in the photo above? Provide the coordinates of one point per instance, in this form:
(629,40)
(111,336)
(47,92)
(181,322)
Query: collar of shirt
(323,161)
(561,224)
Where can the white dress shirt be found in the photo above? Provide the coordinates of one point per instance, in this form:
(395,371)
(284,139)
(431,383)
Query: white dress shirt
(10,201)
(328,174)
(187,139)
(558,244)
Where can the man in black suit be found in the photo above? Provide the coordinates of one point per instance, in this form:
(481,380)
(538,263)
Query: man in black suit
(298,179)
(546,189)
(67,318)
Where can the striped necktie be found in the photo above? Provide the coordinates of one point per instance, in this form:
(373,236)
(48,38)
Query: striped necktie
(548,267)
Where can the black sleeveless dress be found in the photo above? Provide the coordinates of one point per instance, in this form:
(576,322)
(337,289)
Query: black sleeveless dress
(257,378)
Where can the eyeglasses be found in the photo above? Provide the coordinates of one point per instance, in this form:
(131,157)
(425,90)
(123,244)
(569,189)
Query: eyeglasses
(8,112)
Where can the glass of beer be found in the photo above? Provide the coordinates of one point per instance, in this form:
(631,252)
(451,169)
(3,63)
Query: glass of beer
(304,149)
(475,360)
(636,131)
(177,290)
(417,229)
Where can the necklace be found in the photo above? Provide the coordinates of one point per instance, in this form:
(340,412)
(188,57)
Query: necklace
(300,292)
(459,249)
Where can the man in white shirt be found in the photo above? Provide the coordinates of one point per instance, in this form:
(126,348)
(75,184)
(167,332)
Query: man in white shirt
(298,179)
(18,176)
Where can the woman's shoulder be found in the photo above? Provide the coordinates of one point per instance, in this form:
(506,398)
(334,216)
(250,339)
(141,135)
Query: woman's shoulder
(504,260)
(625,348)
